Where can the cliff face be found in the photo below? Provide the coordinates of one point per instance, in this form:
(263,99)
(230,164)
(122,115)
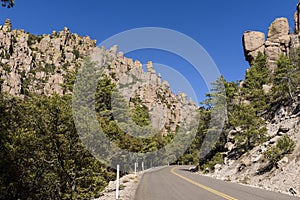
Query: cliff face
(167,110)
(31,63)
(41,64)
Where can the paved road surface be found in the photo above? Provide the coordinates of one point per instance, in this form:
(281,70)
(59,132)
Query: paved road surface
(172,183)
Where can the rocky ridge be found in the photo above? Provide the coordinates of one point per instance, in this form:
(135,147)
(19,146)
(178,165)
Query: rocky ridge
(31,63)
(43,64)
(166,109)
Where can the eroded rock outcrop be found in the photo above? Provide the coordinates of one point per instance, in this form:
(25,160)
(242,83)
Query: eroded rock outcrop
(253,167)
(278,42)
(167,110)
(31,63)
(253,42)
(43,63)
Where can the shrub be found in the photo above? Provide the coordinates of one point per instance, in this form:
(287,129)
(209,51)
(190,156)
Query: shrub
(33,39)
(217,159)
(273,154)
(76,53)
(285,145)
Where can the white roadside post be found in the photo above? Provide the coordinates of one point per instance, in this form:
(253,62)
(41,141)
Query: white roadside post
(143,166)
(118,182)
(135,166)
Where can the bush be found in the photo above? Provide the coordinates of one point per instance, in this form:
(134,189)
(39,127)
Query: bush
(273,154)
(33,39)
(76,53)
(285,145)
(217,159)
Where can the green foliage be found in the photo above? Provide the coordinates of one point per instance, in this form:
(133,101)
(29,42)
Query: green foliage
(253,128)
(257,76)
(273,154)
(8,3)
(218,158)
(238,114)
(6,68)
(41,154)
(286,79)
(285,145)
(258,73)
(140,113)
(104,94)
(33,39)
(76,53)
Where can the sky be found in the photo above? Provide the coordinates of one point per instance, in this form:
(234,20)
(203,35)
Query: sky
(216,25)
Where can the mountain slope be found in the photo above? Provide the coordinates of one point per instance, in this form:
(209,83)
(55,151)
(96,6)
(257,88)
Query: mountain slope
(275,63)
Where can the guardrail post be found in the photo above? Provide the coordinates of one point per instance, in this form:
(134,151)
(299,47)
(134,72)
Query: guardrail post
(118,182)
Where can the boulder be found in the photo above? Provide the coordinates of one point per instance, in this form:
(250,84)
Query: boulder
(7,25)
(275,139)
(283,129)
(267,89)
(253,40)
(273,52)
(257,158)
(217,167)
(246,161)
(279,27)
(253,54)
(229,146)
(297,18)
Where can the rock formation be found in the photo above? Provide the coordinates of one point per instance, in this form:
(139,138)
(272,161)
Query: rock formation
(251,167)
(42,64)
(297,19)
(31,63)
(166,109)
(278,42)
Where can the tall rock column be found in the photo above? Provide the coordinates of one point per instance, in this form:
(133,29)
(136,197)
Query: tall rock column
(297,18)
(253,42)
(278,42)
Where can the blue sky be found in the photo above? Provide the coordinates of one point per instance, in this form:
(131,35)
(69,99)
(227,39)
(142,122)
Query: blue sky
(217,25)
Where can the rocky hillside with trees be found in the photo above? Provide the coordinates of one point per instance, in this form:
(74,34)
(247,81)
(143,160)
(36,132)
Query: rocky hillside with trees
(42,156)
(261,140)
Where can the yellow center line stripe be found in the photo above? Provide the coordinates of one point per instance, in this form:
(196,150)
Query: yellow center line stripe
(203,186)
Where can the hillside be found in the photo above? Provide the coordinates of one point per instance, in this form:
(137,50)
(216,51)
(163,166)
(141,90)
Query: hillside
(45,64)
(274,162)
(42,156)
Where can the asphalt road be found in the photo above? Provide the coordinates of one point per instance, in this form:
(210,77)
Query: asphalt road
(175,183)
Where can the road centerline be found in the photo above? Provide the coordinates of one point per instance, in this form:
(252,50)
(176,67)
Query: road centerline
(225,196)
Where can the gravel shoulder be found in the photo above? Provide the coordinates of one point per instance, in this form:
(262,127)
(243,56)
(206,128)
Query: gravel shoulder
(128,186)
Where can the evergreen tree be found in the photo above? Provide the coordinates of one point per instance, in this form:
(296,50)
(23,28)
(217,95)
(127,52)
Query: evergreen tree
(257,76)
(286,79)
(42,156)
